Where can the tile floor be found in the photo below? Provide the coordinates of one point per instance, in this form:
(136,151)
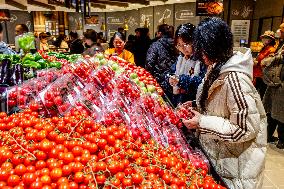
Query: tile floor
(274,170)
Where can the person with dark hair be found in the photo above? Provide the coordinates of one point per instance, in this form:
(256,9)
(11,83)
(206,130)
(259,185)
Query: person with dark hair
(43,46)
(119,50)
(101,38)
(162,55)
(186,74)
(75,44)
(137,32)
(61,42)
(120,30)
(232,120)
(273,100)
(129,45)
(141,46)
(4,48)
(91,43)
(20,29)
(268,40)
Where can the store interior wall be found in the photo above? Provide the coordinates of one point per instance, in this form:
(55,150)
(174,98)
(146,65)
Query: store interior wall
(17,17)
(268,15)
(267,12)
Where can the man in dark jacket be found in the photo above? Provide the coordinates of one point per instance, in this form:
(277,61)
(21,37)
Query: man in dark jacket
(141,46)
(162,54)
(76,45)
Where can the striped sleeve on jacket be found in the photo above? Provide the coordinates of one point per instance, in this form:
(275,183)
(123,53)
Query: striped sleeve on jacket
(244,119)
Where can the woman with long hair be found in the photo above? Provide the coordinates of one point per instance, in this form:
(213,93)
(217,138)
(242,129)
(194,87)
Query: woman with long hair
(186,74)
(231,120)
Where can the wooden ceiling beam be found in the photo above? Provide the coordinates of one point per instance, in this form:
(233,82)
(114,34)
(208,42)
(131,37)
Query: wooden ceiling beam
(98,5)
(40,4)
(142,2)
(112,3)
(16,4)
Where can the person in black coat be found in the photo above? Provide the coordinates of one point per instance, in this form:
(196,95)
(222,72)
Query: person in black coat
(76,45)
(141,46)
(162,55)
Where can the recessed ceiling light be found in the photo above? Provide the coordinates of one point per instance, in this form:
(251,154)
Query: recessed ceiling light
(178,0)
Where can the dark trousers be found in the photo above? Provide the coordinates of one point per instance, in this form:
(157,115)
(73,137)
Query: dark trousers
(272,124)
(260,86)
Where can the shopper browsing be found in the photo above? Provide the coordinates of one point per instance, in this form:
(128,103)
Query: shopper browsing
(273,100)
(20,29)
(162,55)
(231,119)
(118,50)
(141,46)
(75,44)
(43,46)
(186,74)
(91,46)
(268,40)
(61,42)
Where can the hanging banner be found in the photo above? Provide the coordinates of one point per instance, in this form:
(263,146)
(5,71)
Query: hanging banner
(209,7)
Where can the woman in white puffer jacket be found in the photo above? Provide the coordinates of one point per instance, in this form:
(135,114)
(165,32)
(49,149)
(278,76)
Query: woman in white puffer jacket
(230,119)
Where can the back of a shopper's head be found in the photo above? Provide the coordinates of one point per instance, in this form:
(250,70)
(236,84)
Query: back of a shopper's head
(213,41)
(43,37)
(90,37)
(21,29)
(73,35)
(166,30)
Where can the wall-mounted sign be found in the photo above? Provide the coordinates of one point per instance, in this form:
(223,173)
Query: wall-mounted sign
(94,19)
(4,14)
(208,7)
(240,30)
(184,14)
(115,20)
(145,20)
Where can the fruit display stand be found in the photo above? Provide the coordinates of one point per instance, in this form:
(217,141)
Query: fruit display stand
(97,123)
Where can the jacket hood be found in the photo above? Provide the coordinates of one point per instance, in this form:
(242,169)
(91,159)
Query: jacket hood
(241,61)
(4,49)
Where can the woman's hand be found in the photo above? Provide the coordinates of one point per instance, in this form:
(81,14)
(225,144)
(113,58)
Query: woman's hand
(186,105)
(192,123)
(173,81)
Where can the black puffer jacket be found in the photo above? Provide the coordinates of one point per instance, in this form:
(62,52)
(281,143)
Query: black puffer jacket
(160,57)
(76,47)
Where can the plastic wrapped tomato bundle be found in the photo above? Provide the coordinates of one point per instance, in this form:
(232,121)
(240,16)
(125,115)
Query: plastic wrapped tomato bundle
(50,74)
(59,96)
(101,76)
(12,97)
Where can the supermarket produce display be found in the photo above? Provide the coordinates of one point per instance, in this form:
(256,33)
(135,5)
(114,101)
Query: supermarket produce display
(94,123)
